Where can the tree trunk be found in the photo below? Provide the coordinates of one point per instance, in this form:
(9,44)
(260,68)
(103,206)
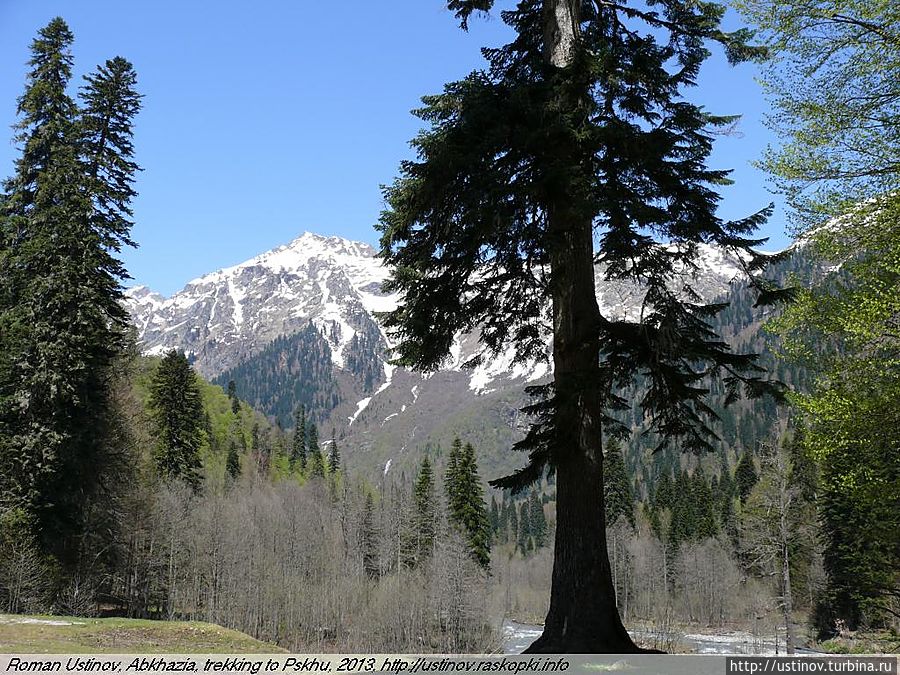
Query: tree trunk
(583,617)
(787,601)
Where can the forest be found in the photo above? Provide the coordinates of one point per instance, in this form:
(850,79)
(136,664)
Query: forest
(708,465)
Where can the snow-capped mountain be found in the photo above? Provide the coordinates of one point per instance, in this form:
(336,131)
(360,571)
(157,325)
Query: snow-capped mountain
(227,318)
(223,317)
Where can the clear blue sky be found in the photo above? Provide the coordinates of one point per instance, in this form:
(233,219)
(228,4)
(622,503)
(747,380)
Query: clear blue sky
(264,119)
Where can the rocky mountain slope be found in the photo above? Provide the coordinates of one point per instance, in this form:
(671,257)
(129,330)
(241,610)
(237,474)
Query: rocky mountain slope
(228,321)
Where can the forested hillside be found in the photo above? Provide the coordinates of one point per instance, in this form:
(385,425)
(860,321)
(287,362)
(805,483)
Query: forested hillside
(565,389)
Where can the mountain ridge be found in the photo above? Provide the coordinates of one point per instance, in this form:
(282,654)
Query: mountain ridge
(227,321)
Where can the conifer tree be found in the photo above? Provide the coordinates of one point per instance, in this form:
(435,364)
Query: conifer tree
(524,529)
(178,413)
(494,518)
(745,476)
(452,482)
(298,442)
(424,501)
(617,493)
(513,516)
(314,453)
(682,526)
(233,397)
(576,133)
(465,500)
(334,456)
(61,320)
(662,495)
(538,521)
(369,540)
(704,518)
(503,523)
(233,461)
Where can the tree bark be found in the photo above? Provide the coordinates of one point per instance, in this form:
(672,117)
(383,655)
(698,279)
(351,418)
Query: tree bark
(787,601)
(583,617)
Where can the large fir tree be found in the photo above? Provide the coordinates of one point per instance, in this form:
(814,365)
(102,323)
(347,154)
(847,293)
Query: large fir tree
(574,147)
(424,515)
(618,495)
(465,500)
(178,414)
(66,216)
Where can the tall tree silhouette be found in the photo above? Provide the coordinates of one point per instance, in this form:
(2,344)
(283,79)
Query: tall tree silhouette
(576,133)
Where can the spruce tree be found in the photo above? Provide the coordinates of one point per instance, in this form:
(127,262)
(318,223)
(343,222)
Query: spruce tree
(618,495)
(513,517)
(233,461)
(61,318)
(705,519)
(233,397)
(662,495)
(745,476)
(538,521)
(503,522)
(576,133)
(298,442)
(452,481)
(524,529)
(465,500)
(424,502)
(178,413)
(369,540)
(316,461)
(494,518)
(334,456)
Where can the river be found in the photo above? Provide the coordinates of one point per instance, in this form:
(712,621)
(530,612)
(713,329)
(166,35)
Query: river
(517,636)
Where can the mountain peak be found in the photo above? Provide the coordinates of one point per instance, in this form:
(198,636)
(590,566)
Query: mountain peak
(225,315)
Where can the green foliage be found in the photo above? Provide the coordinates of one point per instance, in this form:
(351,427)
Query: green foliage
(834,85)
(465,501)
(65,217)
(836,90)
(233,462)
(745,475)
(537,521)
(369,540)
(298,440)
(291,371)
(605,144)
(233,397)
(315,460)
(177,410)
(425,512)
(617,493)
(334,456)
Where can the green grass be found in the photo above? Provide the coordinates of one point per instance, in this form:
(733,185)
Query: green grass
(61,634)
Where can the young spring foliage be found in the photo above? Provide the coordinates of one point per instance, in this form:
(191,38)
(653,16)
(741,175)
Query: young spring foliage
(835,87)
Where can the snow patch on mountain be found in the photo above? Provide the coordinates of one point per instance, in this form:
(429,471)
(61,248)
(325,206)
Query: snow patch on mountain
(223,317)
